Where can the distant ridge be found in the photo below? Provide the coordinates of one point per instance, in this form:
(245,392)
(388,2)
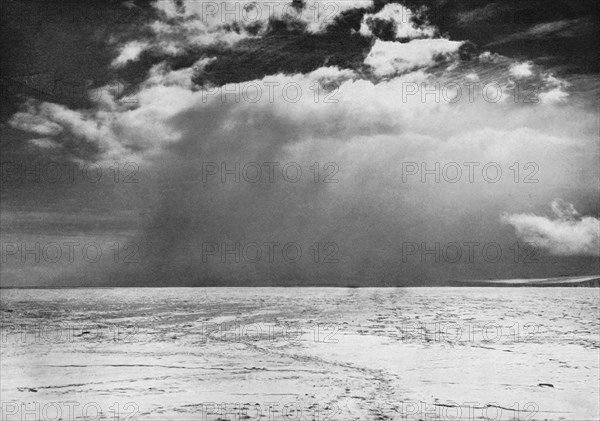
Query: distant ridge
(564,281)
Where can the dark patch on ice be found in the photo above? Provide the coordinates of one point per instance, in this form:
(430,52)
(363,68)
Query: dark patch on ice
(449,405)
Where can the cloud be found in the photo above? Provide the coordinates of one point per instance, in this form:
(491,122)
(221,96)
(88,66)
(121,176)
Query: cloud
(565,28)
(554,96)
(394,21)
(129,52)
(545,29)
(366,128)
(319,15)
(420,45)
(390,58)
(189,24)
(315,14)
(86,134)
(34,121)
(521,70)
(568,234)
(555,92)
(490,13)
(162,74)
(357,118)
(490,58)
(44,143)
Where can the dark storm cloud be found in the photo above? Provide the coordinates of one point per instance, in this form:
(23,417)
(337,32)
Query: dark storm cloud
(78,43)
(558,34)
(491,23)
(284,53)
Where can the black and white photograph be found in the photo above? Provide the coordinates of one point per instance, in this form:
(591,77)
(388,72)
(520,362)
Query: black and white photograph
(299,210)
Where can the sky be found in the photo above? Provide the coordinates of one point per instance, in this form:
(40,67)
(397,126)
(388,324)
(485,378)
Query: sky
(298,143)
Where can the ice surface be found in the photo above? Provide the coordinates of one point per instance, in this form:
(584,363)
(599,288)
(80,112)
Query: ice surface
(345,354)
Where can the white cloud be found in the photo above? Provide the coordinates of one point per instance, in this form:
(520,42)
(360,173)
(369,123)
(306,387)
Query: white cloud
(161,74)
(472,77)
(77,127)
(400,17)
(358,106)
(565,235)
(319,14)
(556,90)
(488,57)
(389,57)
(130,52)
(33,121)
(554,96)
(521,70)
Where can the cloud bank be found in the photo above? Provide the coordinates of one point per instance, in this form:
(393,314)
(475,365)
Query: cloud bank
(567,234)
(192,24)
(394,21)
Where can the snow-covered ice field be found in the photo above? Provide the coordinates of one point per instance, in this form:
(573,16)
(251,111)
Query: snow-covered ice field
(300,354)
